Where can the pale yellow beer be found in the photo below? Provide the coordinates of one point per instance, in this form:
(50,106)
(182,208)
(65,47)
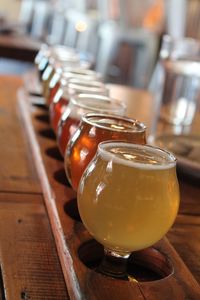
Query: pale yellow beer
(128,196)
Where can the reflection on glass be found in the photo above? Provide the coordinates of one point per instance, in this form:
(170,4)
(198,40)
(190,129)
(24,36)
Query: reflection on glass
(68,88)
(79,106)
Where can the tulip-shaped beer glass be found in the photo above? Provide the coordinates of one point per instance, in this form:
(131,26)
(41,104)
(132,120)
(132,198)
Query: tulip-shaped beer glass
(78,107)
(128,199)
(65,73)
(96,128)
(68,89)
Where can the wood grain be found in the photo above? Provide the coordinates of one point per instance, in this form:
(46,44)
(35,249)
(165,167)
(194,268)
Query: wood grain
(17,171)
(28,257)
(185,237)
(190,197)
(82,282)
(30,268)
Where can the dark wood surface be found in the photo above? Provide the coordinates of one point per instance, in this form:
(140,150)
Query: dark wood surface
(30,268)
(17,168)
(70,234)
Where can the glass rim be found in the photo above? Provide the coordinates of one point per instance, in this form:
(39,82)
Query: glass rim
(84,86)
(79,71)
(183,67)
(52,50)
(59,49)
(97,97)
(170,38)
(57,62)
(66,76)
(168,159)
(141,126)
(85,101)
(85,83)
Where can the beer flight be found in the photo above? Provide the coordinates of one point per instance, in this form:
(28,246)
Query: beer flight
(127,191)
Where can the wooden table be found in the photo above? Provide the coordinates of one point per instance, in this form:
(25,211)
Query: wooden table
(30,267)
(29,263)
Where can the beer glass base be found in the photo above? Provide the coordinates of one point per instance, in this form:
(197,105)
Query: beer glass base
(145,265)
(114,264)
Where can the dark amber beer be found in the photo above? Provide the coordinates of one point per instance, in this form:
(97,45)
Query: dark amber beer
(79,106)
(94,129)
(57,108)
(68,88)
(65,73)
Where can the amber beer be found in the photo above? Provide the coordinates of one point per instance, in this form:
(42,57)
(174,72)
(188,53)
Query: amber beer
(73,86)
(79,106)
(66,73)
(57,108)
(94,129)
(67,127)
(128,197)
(52,92)
(54,85)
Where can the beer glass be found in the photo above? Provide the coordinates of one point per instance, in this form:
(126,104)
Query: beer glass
(95,128)
(41,53)
(44,54)
(54,62)
(181,90)
(172,50)
(80,105)
(65,73)
(69,88)
(128,199)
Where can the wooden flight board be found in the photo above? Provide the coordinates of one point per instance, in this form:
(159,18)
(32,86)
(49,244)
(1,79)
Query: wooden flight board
(160,272)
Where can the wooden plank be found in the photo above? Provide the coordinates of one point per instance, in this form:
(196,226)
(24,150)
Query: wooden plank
(70,234)
(28,257)
(21,47)
(17,171)
(190,197)
(185,237)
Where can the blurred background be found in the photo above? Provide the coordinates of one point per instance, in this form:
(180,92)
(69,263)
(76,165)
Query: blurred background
(123,37)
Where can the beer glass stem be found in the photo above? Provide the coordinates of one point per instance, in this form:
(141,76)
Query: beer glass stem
(114,264)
